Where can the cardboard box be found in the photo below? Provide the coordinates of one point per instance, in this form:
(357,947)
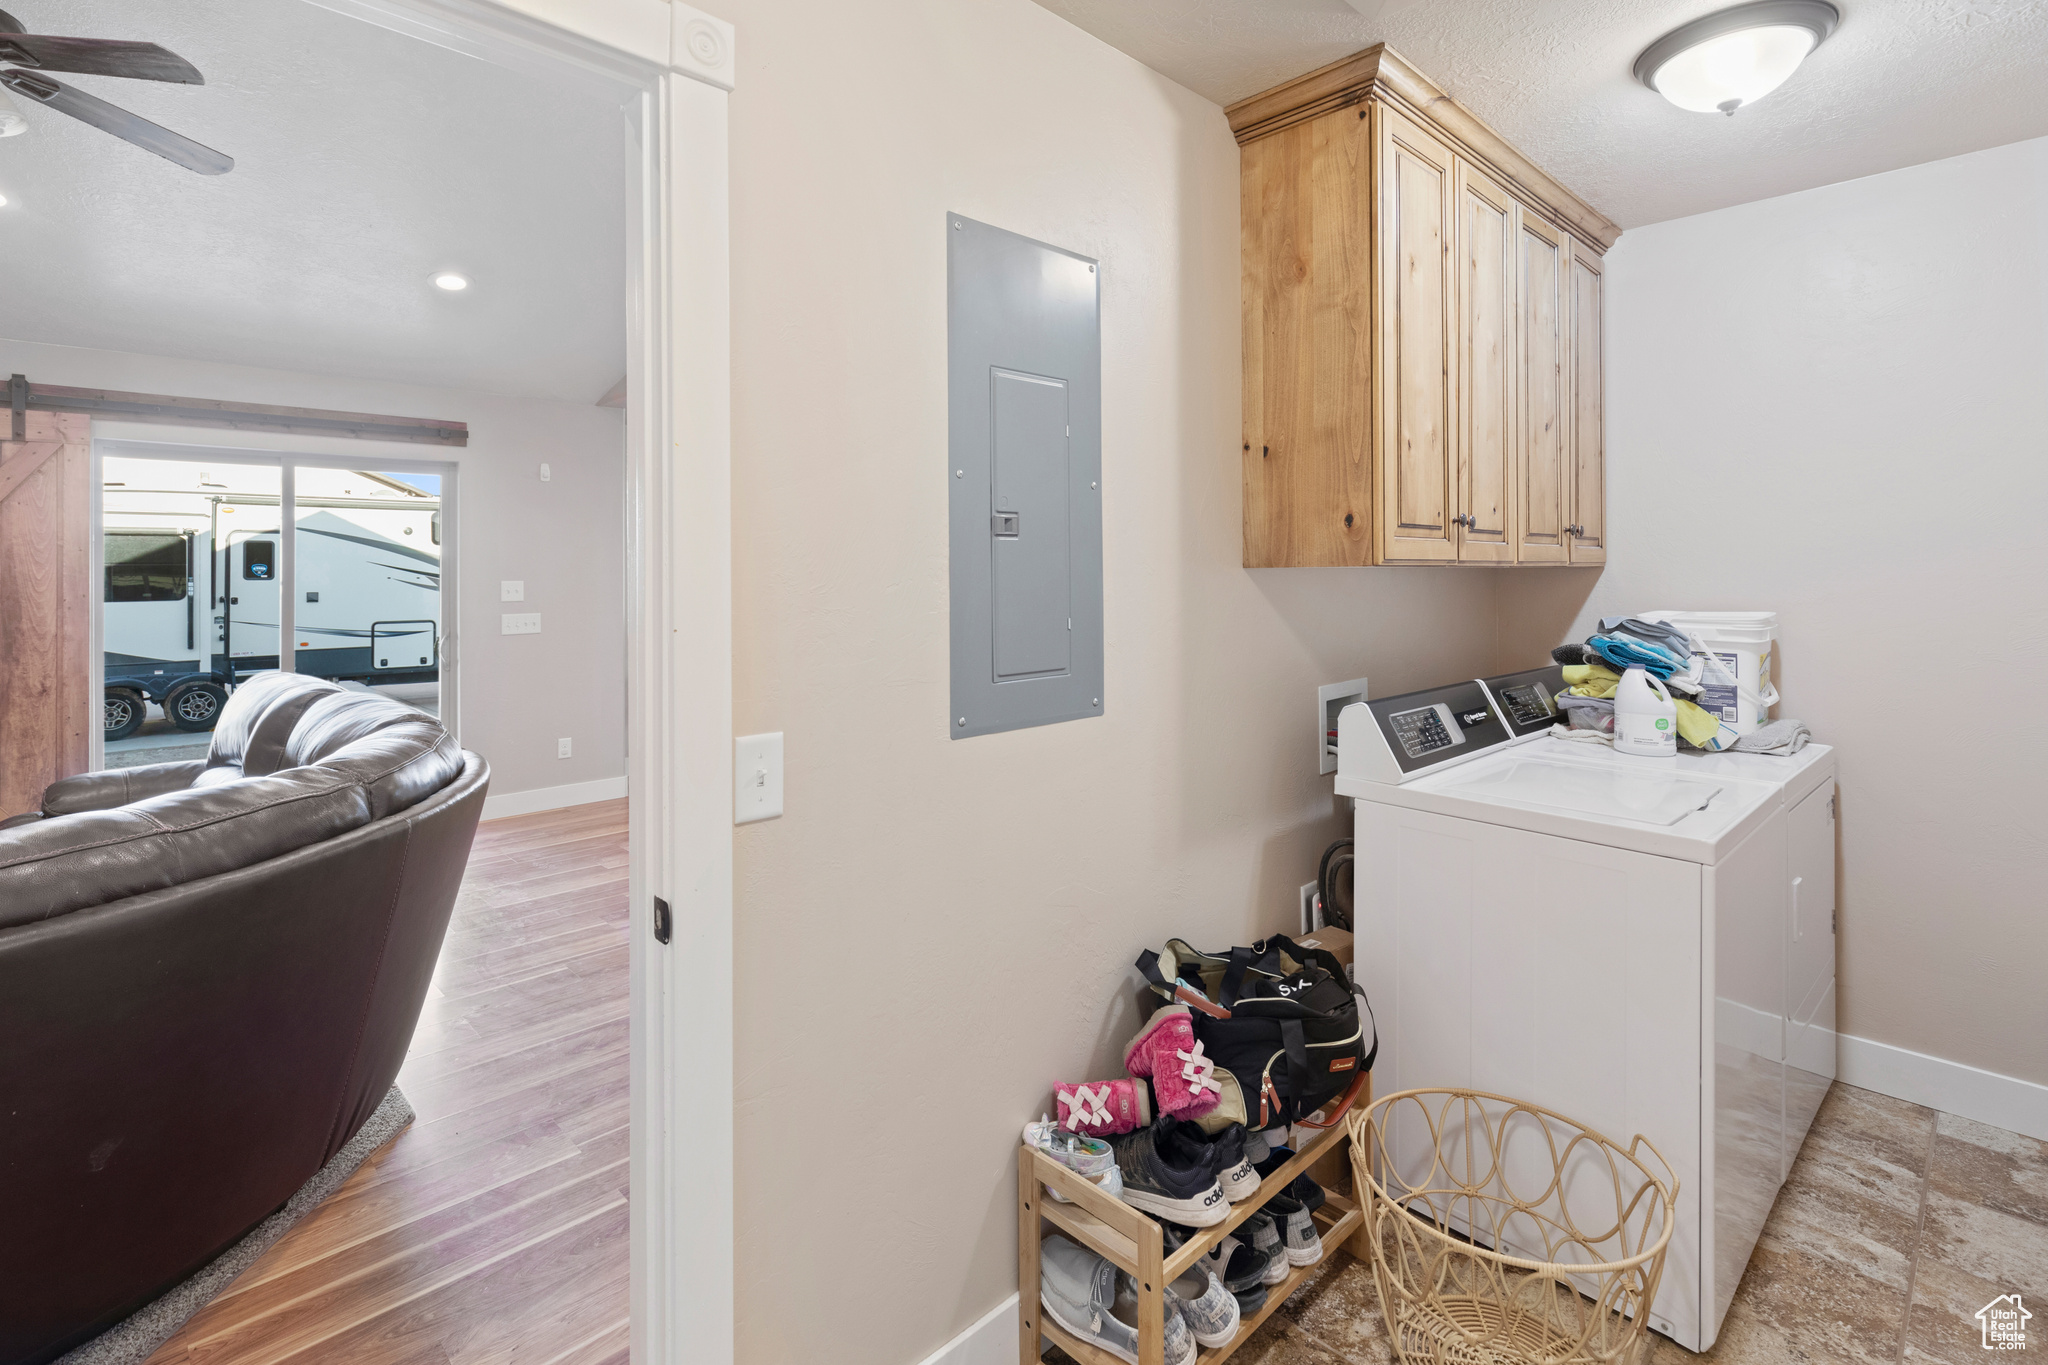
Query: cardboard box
(1329,939)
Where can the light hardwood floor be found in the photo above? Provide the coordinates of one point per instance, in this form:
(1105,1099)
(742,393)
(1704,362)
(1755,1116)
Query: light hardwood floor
(493,1229)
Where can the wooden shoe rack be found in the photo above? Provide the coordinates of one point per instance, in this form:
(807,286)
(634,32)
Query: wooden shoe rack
(1133,1241)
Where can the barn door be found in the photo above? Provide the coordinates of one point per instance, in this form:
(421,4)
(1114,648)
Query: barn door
(47,709)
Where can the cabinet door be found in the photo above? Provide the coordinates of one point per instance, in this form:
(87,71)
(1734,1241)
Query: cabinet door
(1542,412)
(1307,455)
(1414,227)
(1485,342)
(1588,425)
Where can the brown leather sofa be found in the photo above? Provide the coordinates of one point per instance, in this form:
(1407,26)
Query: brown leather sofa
(209,976)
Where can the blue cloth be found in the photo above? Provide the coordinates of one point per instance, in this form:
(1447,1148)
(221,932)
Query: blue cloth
(1624,654)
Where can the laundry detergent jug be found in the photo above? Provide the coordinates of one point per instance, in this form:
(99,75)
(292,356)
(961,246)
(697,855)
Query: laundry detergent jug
(1645,717)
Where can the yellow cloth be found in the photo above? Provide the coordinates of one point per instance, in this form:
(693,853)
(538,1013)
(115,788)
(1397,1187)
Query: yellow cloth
(1591,680)
(1695,726)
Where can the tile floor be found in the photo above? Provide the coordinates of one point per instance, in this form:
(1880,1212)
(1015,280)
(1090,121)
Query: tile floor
(1898,1223)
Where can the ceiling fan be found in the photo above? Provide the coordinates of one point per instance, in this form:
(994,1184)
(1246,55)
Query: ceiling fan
(27,58)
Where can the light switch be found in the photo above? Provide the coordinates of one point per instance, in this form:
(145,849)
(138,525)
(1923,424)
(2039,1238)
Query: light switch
(756,778)
(512,590)
(546,473)
(520,623)
(562,748)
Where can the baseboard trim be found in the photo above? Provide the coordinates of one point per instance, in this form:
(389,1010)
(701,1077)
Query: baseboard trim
(553,798)
(991,1341)
(1986,1096)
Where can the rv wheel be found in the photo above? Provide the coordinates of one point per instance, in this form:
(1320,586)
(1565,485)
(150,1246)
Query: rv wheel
(195,705)
(124,714)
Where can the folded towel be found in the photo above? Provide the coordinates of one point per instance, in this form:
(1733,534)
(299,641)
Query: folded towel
(1784,737)
(1621,652)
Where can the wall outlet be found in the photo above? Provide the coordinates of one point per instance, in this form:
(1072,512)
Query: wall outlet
(1311,913)
(561,748)
(520,623)
(512,590)
(756,778)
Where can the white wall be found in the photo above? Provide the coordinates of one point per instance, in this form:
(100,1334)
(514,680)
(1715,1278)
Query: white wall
(563,537)
(938,930)
(1834,405)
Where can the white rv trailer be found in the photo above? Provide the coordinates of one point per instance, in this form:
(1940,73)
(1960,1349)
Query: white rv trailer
(193,559)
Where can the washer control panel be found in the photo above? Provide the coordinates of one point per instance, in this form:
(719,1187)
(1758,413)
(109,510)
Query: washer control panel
(1394,739)
(1527,701)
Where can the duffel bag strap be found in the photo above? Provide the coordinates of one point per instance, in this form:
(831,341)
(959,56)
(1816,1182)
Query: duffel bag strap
(1295,1041)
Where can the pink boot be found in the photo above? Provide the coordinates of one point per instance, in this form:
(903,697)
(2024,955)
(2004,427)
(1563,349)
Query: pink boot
(1101,1108)
(1182,1077)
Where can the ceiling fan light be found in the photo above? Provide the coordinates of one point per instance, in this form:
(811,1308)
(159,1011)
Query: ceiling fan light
(451,281)
(1725,61)
(11,121)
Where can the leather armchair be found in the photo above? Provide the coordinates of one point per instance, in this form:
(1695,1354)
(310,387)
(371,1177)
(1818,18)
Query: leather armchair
(209,976)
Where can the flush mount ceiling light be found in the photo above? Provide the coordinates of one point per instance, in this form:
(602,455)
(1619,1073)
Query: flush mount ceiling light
(451,281)
(1724,61)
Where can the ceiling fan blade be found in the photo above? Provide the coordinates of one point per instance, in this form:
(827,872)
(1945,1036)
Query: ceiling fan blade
(10,24)
(111,118)
(98,57)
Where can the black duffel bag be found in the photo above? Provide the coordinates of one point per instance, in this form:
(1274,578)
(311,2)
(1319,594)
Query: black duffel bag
(1283,1019)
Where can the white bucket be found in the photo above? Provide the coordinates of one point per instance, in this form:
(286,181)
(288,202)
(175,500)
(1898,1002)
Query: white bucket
(1741,641)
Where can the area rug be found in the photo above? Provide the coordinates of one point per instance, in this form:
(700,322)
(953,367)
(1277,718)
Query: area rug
(130,1341)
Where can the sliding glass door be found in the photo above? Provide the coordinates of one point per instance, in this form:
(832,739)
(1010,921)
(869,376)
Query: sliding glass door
(220,564)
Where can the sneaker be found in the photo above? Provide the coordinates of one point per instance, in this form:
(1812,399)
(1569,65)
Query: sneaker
(1220,1153)
(1210,1309)
(1239,1178)
(1096,1302)
(1091,1158)
(1161,1179)
(1306,1192)
(1103,1108)
(1165,1052)
(1298,1231)
(1250,1301)
(1180,1340)
(1266,1240)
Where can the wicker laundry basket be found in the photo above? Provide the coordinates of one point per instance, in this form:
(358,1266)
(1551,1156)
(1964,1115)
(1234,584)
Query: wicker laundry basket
(1505,1234)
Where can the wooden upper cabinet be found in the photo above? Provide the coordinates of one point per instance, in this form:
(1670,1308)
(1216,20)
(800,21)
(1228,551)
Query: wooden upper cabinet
(1588,425)
(1407,398)
(1487,219)
(1543,263)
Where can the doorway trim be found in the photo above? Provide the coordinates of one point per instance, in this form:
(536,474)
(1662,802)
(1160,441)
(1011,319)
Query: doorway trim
(678,63)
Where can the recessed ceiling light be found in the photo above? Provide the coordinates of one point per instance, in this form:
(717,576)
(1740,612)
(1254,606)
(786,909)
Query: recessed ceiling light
(451,281)
(1724,61)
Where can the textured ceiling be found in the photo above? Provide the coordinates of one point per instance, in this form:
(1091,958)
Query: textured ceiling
(1899,83)
(365,162)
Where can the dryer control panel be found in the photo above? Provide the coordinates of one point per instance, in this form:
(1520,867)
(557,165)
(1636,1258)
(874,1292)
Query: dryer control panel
(1527,701)
(1396,739)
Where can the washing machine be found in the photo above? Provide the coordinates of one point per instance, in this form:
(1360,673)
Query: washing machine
(1642,945)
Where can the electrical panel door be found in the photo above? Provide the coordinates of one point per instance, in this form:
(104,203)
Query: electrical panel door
(1024,481)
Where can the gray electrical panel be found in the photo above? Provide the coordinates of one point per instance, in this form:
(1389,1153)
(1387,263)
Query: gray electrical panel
(1024,475)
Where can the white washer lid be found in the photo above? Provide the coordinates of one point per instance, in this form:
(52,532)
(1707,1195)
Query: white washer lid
(1651,795)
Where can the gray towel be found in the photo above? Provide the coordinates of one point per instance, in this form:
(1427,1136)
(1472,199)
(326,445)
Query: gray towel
(1785,737)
